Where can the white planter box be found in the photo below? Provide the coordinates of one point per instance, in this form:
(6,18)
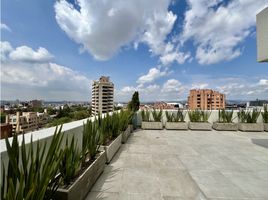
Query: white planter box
(265,125)
(80,188)
(111,150)
(225,126)
(152,125)
(202,126)
(176,126)
(126,134)
(251,127)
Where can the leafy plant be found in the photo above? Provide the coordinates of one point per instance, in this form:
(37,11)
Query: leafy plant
(199,115)
(115,125)
(225,116)
(248,116)
(124,118)
(265,114)
(70,162)
(157,116)
(175,117)
(31,174)
(145,115)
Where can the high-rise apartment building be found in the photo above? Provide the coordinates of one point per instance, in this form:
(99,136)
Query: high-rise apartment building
(102,96)
(206,99)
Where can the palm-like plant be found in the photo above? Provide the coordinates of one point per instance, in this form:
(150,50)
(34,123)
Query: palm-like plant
(145,115)
(225,116)
(247,116)
(265,114)
(178,117)
(199,115)
(70,162)
(157,116)
(169,116)
(31,174)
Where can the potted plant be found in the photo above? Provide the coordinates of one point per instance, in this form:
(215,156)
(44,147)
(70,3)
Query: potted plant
(225,122)
(265,117)
(111,137)
(80,170)
(176,121)
(124,119)
(153,123)
(199,120)
(248,121)
(31,171)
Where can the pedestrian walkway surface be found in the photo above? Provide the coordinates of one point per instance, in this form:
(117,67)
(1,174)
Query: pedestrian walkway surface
(187,165)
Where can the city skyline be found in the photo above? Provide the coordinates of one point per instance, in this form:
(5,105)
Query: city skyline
(54,50)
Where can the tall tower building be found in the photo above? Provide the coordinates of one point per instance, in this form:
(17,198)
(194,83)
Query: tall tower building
(102,96)
(206,99)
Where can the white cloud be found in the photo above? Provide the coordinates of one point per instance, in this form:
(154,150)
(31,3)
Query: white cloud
(151,76)
(5,49)
(45,80)
(218,29)
(171,85)
(27,54)
(263,82)
(4,27)
(170,57)
(104,27)
(199,86)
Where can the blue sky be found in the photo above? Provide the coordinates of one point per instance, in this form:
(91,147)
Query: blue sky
(52,50)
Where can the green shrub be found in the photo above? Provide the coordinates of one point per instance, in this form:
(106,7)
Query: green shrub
(247,116)
(178,117)
(31,174)
(265,114)
(199,115)
(115,125)
(157,116)
(70,162)
(124,119)
(225,116)
(145,115)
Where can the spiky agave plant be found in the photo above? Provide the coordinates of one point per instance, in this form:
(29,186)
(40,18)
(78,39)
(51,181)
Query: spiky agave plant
(265,114)
(31,174)
(225,116)
(169,116)
(179,116)
(205,115)
(70,162)
(157,115)
(195,115)
(248,117)
(145,115)
(115,125)
(124,118)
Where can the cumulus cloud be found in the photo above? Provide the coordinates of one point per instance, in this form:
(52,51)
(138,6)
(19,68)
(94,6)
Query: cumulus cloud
(27,54)
(263,82)
(171,85)
(218,29)
(153,74)
(39,78)
(104,27)
(4,27)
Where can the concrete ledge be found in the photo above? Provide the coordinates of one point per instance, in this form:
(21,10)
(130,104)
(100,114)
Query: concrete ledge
(202,126)
(225,126)
(80,188)
(176,126)
(111,150)
(252,127)
(265,126)
(126,134)
(152,125)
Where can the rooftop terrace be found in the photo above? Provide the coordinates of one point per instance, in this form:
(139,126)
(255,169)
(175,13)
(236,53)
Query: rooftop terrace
(169,165)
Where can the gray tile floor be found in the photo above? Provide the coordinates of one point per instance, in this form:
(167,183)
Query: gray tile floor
(187,165)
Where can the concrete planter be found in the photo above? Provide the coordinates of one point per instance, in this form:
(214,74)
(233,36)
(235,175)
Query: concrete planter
(251,127)
(265,125)
(80,188)
(202,126)
(176,126)
(225,126)
(126,134)
(111,150)
(152,125)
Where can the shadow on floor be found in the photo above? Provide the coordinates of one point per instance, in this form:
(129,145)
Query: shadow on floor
(260,142)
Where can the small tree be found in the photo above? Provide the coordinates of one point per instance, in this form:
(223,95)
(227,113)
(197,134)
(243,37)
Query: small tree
(134,104)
